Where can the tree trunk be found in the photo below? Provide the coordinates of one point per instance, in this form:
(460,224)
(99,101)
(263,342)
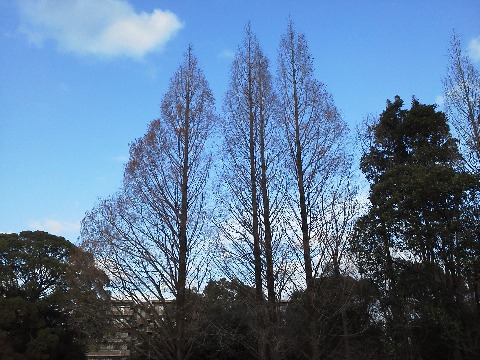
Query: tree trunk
(307,259)
(183,247)
(270,276)
(257,254)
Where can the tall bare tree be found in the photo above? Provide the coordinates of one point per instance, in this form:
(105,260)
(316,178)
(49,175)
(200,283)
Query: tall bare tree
(314,133)
(149,237)
(462,102)
(252,158)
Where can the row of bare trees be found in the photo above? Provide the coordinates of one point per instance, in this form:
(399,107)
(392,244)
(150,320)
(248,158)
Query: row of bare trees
(276,216)
(284,154)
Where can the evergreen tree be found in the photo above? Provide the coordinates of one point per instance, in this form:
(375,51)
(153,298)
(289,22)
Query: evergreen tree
(420,198)
(52,298)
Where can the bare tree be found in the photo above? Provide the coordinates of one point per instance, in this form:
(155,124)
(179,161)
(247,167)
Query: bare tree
(252,179)
(314,134)
(462,102)
(150,236)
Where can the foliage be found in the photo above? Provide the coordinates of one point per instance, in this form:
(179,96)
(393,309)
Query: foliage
(420,198)
(335,297)
(228,328)
(52,297)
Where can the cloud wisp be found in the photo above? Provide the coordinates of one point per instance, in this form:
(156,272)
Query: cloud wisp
(121,159)
(440,100)
(474,49)
(56,227)
(106,28)
(227,54)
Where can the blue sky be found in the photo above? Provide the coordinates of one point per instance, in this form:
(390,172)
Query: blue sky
(80,80)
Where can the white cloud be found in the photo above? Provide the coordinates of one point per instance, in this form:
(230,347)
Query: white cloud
(56,227)
(104,28)
(474,49)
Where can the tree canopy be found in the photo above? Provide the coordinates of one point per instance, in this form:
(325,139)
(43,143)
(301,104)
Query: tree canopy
(420,199)
(52,297)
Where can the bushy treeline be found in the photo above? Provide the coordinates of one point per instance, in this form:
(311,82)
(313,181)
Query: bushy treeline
(223,325)
(311,274)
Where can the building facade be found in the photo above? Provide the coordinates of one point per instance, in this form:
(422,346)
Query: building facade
(129,319)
